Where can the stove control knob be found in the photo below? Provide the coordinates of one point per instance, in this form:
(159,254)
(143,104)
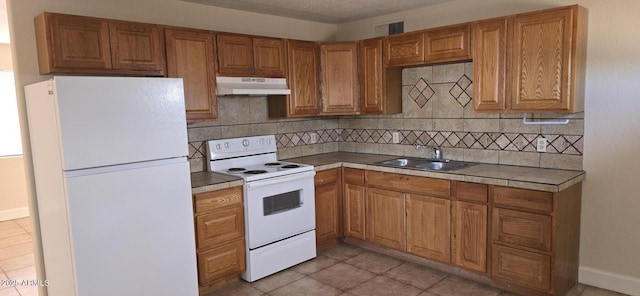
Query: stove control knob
(218,147)
(262,141)
(245,143)
(226,145)
(269,141)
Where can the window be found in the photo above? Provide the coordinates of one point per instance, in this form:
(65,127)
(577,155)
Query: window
(10,142)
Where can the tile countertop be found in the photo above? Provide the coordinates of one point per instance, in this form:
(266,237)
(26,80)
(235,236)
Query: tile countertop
(209,181)
(551,180)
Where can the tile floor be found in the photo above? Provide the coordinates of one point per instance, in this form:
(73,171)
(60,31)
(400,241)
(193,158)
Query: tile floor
(16,257)
(345,270)
(341,270)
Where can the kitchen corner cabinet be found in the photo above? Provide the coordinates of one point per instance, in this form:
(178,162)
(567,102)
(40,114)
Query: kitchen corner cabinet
(339,78)
(354,203)
(87,45)
(380,87)
(302,77)
(469,222)
(328,199)
(219,221)
(535,239)
(244,55)
(545,62)
(191,56)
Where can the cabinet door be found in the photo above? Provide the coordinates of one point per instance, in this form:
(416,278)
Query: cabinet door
(521,267)
(469,229)
(303,78)
(428,221)
(489,65)
(540,59)
(404,50)
(386,218)
(448,44)
(219,227)
(235,55)
(328,205)
(354,209)
(339,67)
(137,47)
(269,57)
(220,262)
(371,76)
(191,56)
(69,43)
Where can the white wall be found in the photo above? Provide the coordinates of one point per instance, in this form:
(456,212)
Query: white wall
(610,202)
(169,12)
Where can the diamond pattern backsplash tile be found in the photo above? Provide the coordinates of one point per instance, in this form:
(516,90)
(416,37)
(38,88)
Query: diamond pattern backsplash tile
(461,90)
(421,92)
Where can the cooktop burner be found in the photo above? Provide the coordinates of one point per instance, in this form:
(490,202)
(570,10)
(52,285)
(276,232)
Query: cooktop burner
(236,169)
(255,172)
(272,164)
(290,166)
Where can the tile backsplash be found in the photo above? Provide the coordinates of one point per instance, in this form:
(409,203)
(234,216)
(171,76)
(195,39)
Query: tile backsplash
(437,111)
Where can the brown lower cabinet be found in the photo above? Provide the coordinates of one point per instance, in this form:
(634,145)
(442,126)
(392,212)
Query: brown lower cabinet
(328,199)
(521,240)
(219,223)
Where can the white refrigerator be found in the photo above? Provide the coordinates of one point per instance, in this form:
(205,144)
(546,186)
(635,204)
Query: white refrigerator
(113,186)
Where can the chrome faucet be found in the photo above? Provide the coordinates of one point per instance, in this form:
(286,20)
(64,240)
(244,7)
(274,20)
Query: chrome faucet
(437,152)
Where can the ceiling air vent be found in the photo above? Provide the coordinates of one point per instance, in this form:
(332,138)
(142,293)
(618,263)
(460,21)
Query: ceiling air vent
(389,29)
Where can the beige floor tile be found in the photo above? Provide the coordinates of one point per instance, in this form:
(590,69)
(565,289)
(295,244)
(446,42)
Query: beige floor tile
(10,228)
(26,228)
(456,286)
(308,287)
(342,252)
(421,277)
(373,262)
(314,265)
(240,288)
(27,290)
(593,291)
(25,273)
(3,276)
(384,286)
(16,250)
(277,280)
(18,262)
(19,239)
(427,293)
(26,221)
(343,276)
(9,291)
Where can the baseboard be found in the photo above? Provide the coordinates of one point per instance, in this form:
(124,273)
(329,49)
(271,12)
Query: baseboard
(609,280)
(14,214)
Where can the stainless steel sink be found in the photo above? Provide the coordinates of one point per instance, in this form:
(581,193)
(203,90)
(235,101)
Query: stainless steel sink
(426,164)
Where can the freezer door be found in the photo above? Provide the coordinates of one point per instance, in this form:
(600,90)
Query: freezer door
(132,232)
(116,120)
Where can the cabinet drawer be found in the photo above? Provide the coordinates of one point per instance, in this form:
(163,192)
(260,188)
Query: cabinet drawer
(330,176)
(521,267)
(471,191)
(522,198)
(354,176)
(522,229)
(219,227)
(218,199)
(410,184)
(221,261)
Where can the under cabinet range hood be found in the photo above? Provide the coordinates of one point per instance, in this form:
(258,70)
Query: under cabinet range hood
(251,86)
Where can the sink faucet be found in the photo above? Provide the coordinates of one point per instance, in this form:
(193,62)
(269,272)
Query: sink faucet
(437,152)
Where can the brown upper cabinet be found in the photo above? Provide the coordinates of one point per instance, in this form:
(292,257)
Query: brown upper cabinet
(339,78)
(302,77)
(380,87)
(532,62)
(244,55)
(78,44)
(438,45)
(191,56)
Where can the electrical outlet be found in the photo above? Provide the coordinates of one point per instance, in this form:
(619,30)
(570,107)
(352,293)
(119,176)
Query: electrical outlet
(396,137)
(541,145)
(314,138)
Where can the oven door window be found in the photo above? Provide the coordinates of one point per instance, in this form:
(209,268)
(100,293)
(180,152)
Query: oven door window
(279,203)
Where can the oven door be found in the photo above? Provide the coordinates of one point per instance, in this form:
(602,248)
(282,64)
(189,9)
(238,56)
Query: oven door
(278,208)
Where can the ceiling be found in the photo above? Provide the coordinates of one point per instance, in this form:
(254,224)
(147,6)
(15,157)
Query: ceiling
(324,11)
(4,22)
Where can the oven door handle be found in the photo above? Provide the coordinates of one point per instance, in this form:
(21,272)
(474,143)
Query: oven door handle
(279,180)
